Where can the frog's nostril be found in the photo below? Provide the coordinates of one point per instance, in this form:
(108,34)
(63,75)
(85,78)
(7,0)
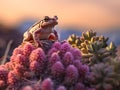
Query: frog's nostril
(55,17)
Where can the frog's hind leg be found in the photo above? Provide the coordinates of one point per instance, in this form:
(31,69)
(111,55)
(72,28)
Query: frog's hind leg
(27,36)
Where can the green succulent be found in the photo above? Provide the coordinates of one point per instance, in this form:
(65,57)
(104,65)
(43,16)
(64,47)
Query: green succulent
(104,77)
(94,49)
(116,63)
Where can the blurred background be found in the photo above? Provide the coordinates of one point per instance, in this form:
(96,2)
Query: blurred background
(75,16)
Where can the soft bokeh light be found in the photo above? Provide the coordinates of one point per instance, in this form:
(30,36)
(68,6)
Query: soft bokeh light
(76,13)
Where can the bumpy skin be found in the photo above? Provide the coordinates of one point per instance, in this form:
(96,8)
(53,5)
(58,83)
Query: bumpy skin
(42,30)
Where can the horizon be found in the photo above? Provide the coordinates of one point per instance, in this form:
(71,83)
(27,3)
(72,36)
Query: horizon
(78,13)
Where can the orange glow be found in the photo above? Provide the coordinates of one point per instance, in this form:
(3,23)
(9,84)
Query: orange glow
(85,13)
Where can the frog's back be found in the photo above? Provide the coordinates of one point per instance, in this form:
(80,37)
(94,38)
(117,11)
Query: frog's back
(34,27)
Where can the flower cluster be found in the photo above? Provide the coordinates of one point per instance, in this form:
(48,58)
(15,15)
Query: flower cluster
(65,67)
(59,69)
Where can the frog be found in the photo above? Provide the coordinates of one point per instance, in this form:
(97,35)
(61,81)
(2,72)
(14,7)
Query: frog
(42,30)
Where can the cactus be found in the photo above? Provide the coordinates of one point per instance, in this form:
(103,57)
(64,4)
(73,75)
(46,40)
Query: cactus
(104,77)
(116,64)
(95,49)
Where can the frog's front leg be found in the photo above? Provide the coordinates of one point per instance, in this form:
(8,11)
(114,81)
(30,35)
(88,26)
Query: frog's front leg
(36,39)
(56,34)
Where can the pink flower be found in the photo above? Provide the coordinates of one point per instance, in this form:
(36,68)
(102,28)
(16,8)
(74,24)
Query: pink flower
(9,66)
(37,55)
(47,84)
(28,48)
(12,78)
(2,83)
(28,74)
(18,51)
(12,58)
(27,88)
(19,69)
(3,73)
(22,60)
(58,70)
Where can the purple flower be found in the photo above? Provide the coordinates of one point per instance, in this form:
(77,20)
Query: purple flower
(77,63)
(51,51)
(36,67)
(65,47)
(68,58)
(54,58)
(91,88)
(83,70)
(57,45)
(79,86)
(47,84)
(108,87)
(71,75)
(76,53)
(37,55)
(57,69)
(61,88)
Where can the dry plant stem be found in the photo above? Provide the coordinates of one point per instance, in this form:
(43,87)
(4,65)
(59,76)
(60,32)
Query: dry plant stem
(6,52)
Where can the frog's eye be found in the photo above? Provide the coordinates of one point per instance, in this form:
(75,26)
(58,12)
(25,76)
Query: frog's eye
(46,18)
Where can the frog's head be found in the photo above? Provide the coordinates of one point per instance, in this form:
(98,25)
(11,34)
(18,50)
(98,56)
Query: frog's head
(49,22)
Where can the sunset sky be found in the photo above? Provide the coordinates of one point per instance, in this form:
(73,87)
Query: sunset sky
(78,13)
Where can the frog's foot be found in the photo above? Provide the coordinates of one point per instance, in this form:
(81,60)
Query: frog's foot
(41,44)
(38,45)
